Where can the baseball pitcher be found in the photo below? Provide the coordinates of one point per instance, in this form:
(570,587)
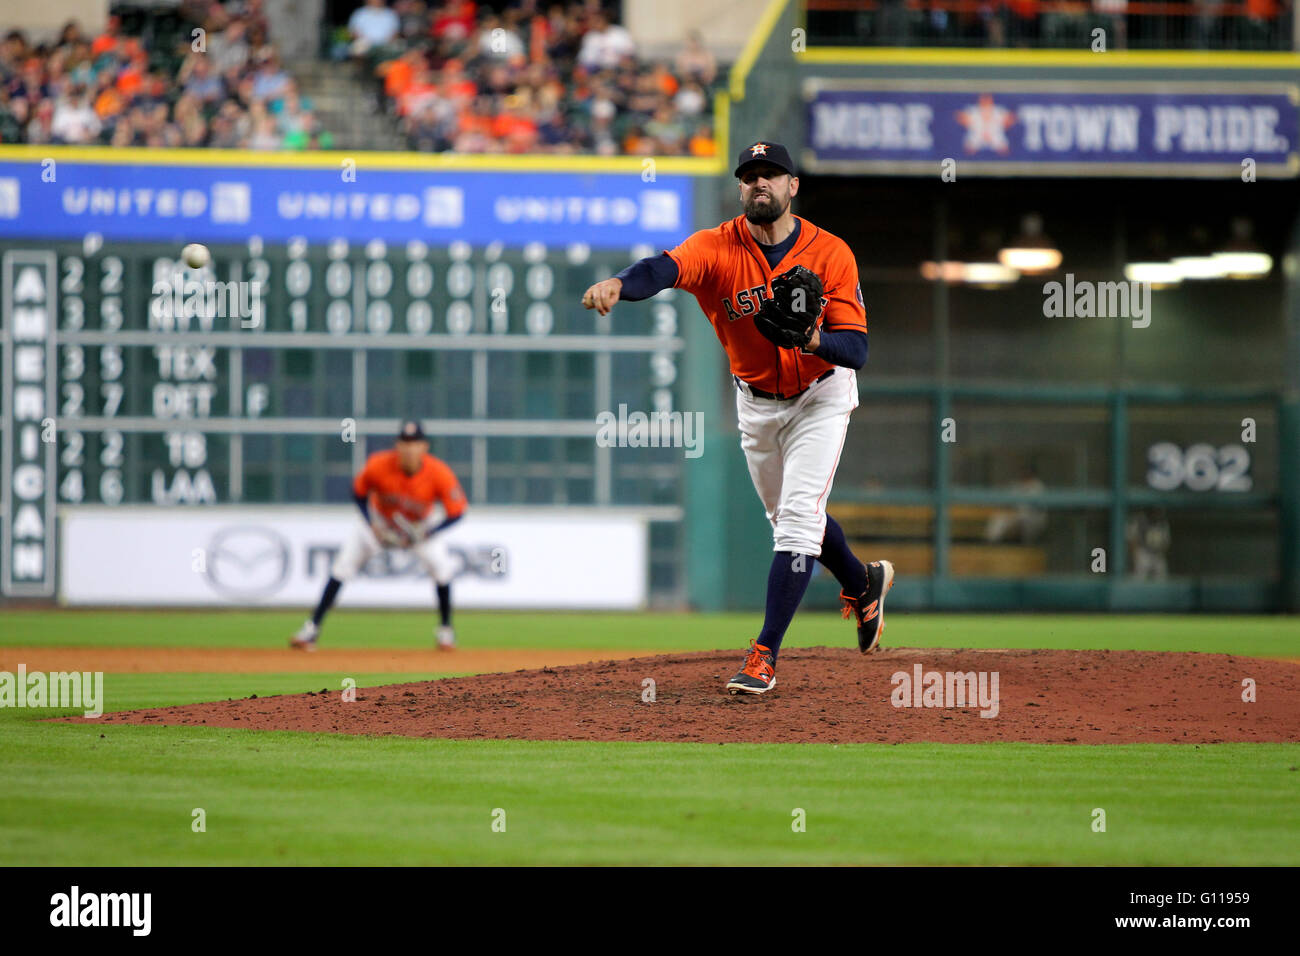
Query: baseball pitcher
(784,299)
(396,492)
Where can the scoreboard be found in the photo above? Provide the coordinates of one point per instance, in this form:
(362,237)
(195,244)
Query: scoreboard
(270,375)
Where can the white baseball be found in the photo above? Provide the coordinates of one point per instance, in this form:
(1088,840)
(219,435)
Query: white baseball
(196,255)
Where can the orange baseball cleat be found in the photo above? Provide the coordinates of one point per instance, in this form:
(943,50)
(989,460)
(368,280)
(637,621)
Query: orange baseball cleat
(758,676)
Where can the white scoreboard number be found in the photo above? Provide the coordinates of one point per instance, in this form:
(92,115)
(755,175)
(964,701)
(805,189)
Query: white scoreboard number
(1200,467)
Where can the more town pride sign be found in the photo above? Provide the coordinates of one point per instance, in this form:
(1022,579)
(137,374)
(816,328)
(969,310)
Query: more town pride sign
(1053,129)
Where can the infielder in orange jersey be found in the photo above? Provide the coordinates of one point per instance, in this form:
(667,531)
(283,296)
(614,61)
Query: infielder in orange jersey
(792,404)
(397,491)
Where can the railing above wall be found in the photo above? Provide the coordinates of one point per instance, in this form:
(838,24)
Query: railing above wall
(1250,25)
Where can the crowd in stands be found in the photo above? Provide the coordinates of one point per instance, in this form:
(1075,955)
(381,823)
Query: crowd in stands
(565,79)
(1179,24)
(212,79)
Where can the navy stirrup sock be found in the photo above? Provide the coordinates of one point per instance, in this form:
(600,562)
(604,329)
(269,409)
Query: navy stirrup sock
(326,600)
(786,583)
(842,562)
(444,603)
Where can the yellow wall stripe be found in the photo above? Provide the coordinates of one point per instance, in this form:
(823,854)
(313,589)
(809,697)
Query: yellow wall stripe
(365,160)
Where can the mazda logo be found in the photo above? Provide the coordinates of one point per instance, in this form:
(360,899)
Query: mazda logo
(247,563)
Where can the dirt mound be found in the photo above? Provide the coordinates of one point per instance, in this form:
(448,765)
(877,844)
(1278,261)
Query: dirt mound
(823,695)
(277,660)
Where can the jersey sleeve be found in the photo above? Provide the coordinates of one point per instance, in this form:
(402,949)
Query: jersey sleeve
(449,493)
(845,309)
(364,482)
(695,258)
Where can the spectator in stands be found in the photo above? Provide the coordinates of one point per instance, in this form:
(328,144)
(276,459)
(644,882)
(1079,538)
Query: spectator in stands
(702,143)
(667,132)
(605,44)
(70,36)
(498,41)
(455,74)
(372,27)
(188,117)
(198,79)
(107,42)
(265,135)
(455,21)
(420,94)
(229,50)
(270,82)
(308,134)
(39,126)
(691,100)
(696,62)
(74,120)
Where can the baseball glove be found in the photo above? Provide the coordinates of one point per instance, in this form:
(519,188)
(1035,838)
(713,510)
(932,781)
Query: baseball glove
(389,536)
(788,318)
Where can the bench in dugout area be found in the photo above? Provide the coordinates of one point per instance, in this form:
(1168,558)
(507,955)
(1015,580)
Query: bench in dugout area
(903,534)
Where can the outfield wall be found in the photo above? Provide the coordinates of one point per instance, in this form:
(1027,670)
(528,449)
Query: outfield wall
(233,556)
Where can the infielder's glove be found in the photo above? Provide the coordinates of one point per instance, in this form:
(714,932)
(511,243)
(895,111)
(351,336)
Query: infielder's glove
(388,536)
(788,318)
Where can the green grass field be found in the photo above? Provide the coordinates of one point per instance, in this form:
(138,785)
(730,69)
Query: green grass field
(92,795)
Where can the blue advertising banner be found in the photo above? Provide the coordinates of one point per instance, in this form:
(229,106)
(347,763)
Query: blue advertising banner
(231,204)
(1051,129)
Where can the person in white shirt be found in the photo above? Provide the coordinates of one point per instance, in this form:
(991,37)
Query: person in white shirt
(373,25)
(75,121)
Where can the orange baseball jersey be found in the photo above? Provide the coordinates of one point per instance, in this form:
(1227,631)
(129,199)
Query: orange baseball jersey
(727,272)
(392,491)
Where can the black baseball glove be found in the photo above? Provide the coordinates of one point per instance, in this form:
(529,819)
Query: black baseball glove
(788,318)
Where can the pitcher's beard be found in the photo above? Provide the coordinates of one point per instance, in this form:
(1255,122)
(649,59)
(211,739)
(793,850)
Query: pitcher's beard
(762,214)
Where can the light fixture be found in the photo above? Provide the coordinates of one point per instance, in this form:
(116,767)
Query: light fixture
(1199,267)
(1031,251)
(972,273)
(989,273)
(1242,257)
(1154,273)
(1244,265)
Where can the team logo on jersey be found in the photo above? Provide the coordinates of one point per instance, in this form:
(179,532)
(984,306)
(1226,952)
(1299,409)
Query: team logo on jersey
(758,149)
(860,301)
(748,301)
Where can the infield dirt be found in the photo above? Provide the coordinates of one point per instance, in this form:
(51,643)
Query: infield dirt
(823,695)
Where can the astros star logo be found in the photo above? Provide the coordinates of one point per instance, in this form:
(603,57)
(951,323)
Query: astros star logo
(758,149)
(986,126)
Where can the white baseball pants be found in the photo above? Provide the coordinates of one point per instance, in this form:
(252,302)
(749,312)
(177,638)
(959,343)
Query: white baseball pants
(792,448)
(432,553)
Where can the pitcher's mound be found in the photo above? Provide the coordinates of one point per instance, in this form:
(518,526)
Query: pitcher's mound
(823,695)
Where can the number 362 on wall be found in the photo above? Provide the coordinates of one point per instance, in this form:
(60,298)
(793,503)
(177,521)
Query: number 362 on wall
(1199,468)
